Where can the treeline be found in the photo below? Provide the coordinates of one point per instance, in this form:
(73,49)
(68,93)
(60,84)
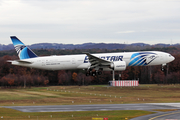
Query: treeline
(16,76)
(45,52)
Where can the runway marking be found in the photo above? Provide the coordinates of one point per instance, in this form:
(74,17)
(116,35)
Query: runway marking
(163,115)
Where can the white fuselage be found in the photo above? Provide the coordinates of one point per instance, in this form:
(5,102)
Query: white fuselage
(67,62)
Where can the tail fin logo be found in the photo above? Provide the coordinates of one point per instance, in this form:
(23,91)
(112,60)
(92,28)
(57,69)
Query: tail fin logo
(22,51)
(19,48)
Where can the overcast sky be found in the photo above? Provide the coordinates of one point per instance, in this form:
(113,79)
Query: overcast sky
(82,21)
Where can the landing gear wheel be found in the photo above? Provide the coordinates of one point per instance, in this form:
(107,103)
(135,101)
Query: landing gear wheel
(93,73)
(99,72)
(87,74)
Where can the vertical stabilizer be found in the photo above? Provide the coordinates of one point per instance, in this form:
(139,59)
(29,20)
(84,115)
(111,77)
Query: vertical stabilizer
(22,51)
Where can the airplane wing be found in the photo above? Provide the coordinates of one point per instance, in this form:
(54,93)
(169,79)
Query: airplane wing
(95,61)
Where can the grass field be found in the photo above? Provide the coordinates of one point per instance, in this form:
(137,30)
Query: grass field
(73,95)
(64,95)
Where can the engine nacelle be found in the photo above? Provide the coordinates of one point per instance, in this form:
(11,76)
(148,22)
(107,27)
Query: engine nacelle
(118,65)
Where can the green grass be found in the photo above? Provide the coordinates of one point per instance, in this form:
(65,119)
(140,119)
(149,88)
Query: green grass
(85,115)
(64,95)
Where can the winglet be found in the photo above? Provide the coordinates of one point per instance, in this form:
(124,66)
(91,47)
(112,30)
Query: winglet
(22,51)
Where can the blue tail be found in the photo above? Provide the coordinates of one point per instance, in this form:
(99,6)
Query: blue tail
(23,51)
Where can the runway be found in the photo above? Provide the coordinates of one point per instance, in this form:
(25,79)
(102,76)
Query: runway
(103,107)
(172,115)
(99,107)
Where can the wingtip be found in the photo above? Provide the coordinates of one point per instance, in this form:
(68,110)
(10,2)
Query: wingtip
(85,52)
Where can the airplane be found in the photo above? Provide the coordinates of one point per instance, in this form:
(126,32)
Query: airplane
(94,64)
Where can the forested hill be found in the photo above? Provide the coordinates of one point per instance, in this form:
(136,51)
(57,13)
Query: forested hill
(109,46)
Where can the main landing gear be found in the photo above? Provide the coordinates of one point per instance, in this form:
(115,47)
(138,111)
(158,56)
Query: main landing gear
(93,72)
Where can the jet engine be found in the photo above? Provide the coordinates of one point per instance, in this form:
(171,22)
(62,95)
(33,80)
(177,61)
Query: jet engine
(118,65)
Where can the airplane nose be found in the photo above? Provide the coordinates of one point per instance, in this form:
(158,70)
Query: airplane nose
(170,58)
(173,58)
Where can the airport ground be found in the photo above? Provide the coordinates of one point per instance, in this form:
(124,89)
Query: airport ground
(83,95)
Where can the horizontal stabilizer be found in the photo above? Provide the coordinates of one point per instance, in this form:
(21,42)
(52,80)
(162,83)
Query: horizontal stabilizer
(20,61)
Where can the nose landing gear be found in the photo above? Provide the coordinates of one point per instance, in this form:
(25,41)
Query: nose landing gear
(163,67)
